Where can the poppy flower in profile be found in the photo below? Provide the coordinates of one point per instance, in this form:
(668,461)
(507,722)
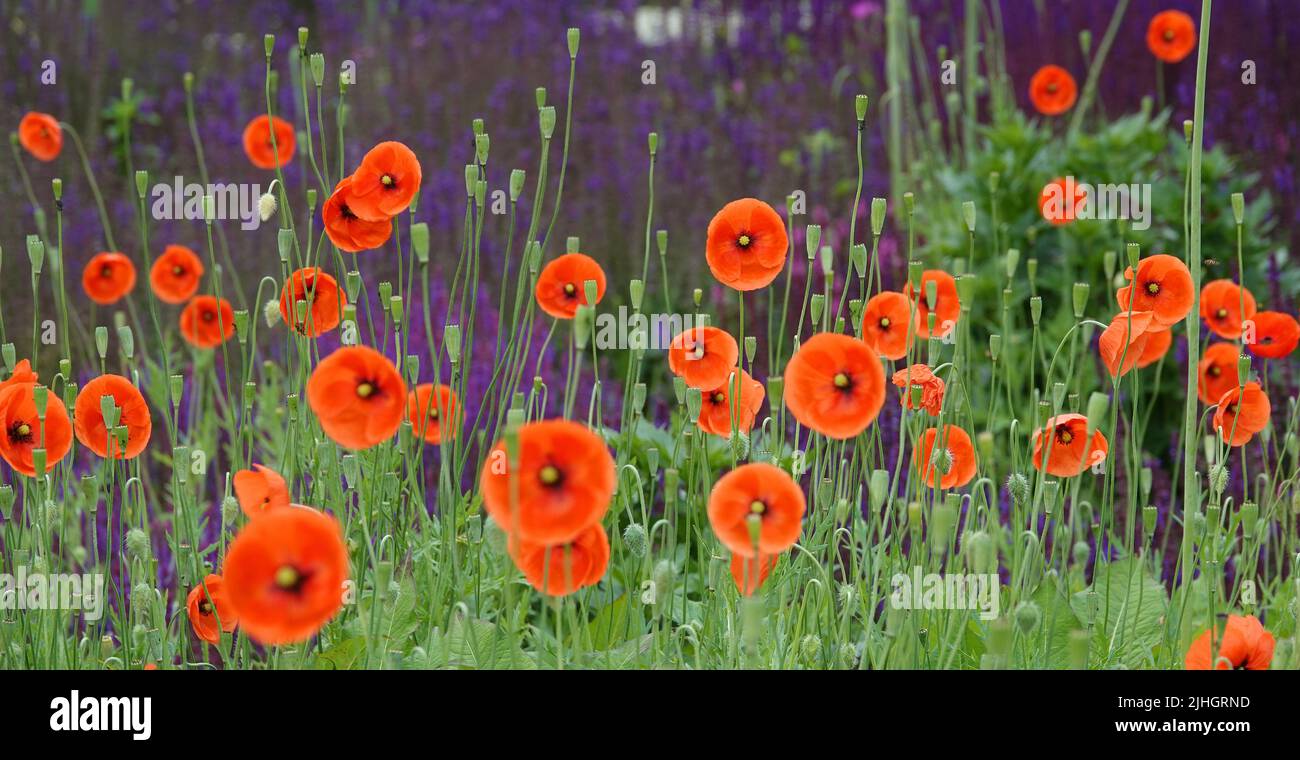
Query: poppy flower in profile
(210,610)
(434,412)
(1242,412)
(40,135)
(563,481)
(947,306)
(21,428)
(260,490)
(952,458)
(1276,335)
(348,231)
(1222,307)
(385,182)
(324,298)
(1064,441)
(175,274)
(1052,90)
(886,324)
(132,413)
(264,150)
(932,388)
(750,573)
(715,411)
(22,373)
(560,569)
(747,244)
(1157,345)
(561,286)
(1171,36)
(1123,342)
(1242,644)
(1216,372)
(358,396)
(834,384)
(108,277)
(1061,202)
(703,356)
(207,321)
(284,574)
(1164,288)
(756,501)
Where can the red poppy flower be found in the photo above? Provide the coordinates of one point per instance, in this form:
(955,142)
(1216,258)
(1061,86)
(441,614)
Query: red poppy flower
(947,306)
(1122,344)
(1164,288)
(108,277)
(175,275)
(324,298)
(1064,440)
(348,231)
(1061,202)
(260,490)
(1243,644)
(1052,90)
(133,414)
(258,142)
(1171,36)
(385,183)
(715,411)
(756,509)
(834,384)
(1222,307)
(1242,412)
(561,569)
(561,285)
(21,429)
(747,244)
(22,374)
(434,416)
(40,135)
(954,457)
(932,388)
(206,606)
(1276,335)
(1216,372)
(886,324)
(207,321)
(1157,345)
(703,356)
(358,396)
(751,573)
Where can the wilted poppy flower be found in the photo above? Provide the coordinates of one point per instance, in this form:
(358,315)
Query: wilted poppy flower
(284,574)
(324,298)
(1242,412)
(703,356)
(206,606)
(434,412)
(1122,343)
(258,142)
(132,413)
(1221,307)
(932,388)
(750,573)
(715,411)
(947,306)
(886,326)
(953,457)
(385,182)
(1157,345)
(756,503)
(107,277)
(747,244)
(561,285)
(40,135)
(834,384)
(21,429)
(348,231)
(1052,90)
(561,569)
(1243,644)
(175,275)
(1164,288)
(358,396)
(1216,372)
(1171,36)
(260,490)
(1061,202)
(1064,441)
(563,481)
(1276,335)
(207,321)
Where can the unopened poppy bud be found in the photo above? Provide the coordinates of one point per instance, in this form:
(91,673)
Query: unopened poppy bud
(1218,478)
(775,388)
(877,216)
(980,553)
(267,205)
(638,397)
(1018,487)
(546,120)
(635,537)
(1012,260)
(679,389)
(39,460)
(1080,294)
(126,341)
(966,291)
(1249,518)
(984,442)
(652,458)
(284,244)
(271,312)
(7,498)
(101,341)
(1036,309)
(1149,516)
(812,239)
(1196,525)
(694,400)
(810,646)
(968,215)
(995,346)
(914,514)
(1028,616)
(583,320)
(1031,270)
(860,106)
(451,338)
(664,575)
(1097,405)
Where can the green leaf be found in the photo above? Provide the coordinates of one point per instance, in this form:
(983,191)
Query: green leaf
(1131,607)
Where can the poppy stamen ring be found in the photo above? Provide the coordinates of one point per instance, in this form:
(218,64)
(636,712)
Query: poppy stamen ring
(1153,288)
(178,270)
(23,430)
(1221,313)
(569,289)
(719,397)
(365,390)
(757,507)
(884,322)
(287,577)
(387,180)
(549,475)
(841,380)
(1214,371)
(744,240)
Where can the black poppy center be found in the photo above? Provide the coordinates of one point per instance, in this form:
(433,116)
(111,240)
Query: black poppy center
(1153,288)
(20,432)
(745,239)
(1214,371)
(1064,436)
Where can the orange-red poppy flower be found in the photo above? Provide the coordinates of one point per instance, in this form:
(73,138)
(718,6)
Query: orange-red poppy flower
(1064,441)
(834,384)
(1222,304)
(258,144)
(284,574)
(1242,412)
(747,244)
(1164,288)
(886,324)
(205,607)
(1061,202)
(1122,343)
(932,388)
(41,135)
(952,457)
(1171,36)
(756,509)
(715,411)
(561,569)
(348,231)
(1157,345)
(207,321)
(108,277)
(1052,90)
(1276,335)
(1242,644)
(324,298)
(175,275)
(703,356)
(132,413)
(260,490)
(947,306)
(22,374)
(385,182)
(358,396)
(750,573)
(21,428)
(1216,372)
(434,412)
(561,485)
(561,285)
